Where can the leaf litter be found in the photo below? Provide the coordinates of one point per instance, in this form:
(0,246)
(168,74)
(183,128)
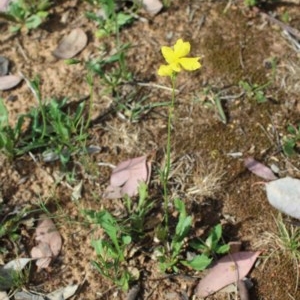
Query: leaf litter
(126,177)
(49,242)
(71,44)
(229,269)
(284,195)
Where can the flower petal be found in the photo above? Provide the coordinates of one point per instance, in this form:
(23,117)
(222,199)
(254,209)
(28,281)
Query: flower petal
(168,54)
(176,66)
(181,48)
(165,70)
(190,63)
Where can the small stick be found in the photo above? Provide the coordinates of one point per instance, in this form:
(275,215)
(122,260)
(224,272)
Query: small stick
(295,32)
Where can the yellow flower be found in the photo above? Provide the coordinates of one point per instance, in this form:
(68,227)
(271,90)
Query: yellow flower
(177,59)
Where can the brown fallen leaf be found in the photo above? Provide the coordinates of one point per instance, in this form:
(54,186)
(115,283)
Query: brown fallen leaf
(9,81)
(71,44)
(49,242)
(259,169)
(43,255)
(229,269)
(153,7)
(126,177)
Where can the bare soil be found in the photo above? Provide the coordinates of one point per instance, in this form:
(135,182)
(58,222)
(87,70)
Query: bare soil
(235,45)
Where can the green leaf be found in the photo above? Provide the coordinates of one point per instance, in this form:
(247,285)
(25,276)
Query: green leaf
(223,249)
(33,21)
(3,115)
(123,19)
(260,97)
(199,262)
(292,130)
(289,147)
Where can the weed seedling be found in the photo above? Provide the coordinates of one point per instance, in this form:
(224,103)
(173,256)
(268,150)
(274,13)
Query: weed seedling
(168,257)
(52,128)
(138,213)
(291,140)
(26,13)
(111,250)
(285,243)
(109,21)
(211,246)
(255,90)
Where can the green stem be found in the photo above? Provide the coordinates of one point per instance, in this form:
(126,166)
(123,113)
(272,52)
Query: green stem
(168,155)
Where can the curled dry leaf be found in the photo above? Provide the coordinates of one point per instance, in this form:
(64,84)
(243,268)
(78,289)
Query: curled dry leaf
(49,242)
(259,169)
(229,269)
(71,44)
(126,177)
(153,7)
(43,255)
(4,63)
(9,81)
(284,194)
(63,293)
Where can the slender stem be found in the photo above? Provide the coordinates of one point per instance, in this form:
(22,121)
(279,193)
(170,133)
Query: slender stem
(91,100)
(168,154)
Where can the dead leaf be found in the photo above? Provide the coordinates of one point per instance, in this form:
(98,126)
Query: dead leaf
(228,269)
(27,296)
(4,62)
(43,255)
(71,44)
(9,81)
(77,190)
(153,7)
(63,293)
(126,177)
(259,169)
(284,194)
(7,272)
(49,242)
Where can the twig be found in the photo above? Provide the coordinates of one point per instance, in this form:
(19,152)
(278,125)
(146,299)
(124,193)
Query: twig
(295,32)
(156,86)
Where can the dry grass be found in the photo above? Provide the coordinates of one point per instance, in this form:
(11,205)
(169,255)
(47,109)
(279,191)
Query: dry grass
(284,244)
(194,175)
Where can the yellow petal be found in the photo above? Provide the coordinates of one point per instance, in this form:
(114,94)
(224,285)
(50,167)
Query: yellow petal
(190,63)
(182,48)
(165,70)
(176,67)
(168,54)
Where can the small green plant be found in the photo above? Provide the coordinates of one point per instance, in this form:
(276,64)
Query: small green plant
(52,128)
(169,256)
(110,21)
(120,234)
(255,90)
(212,100)
(137,213)
(111,250)
(8,135)
(208,248)
(10,224)
(26,13)
(211,246)
(284,243)
(291,141)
